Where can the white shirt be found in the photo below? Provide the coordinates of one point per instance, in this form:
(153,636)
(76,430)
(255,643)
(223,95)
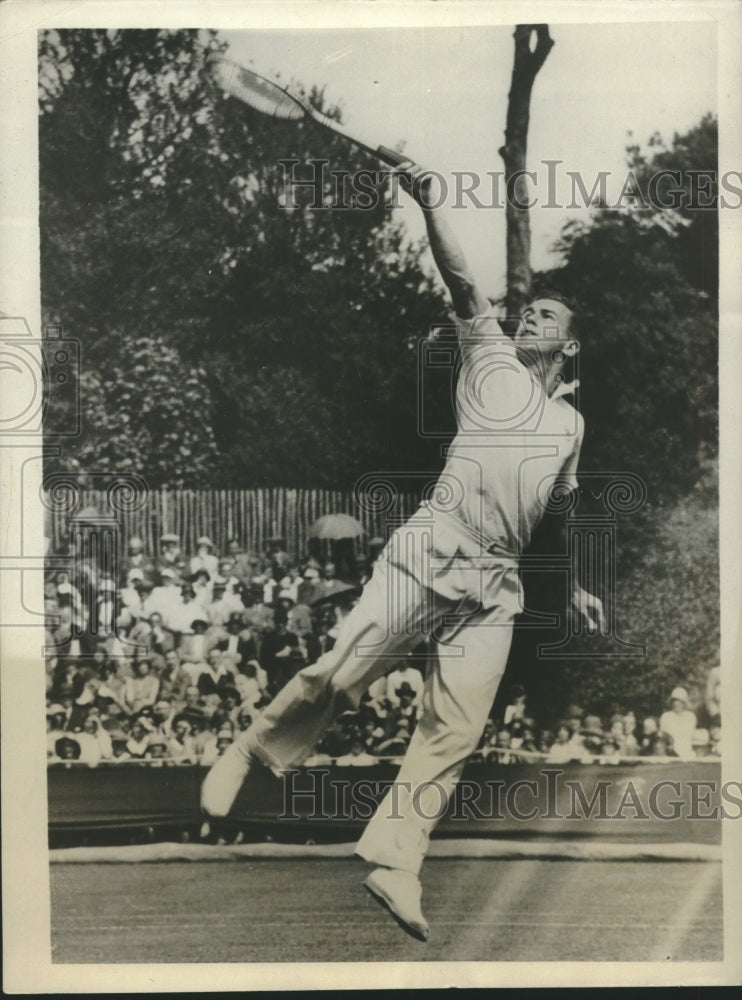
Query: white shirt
(681,726)
(514,442)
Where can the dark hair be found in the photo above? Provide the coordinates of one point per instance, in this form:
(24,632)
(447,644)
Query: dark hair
(575,325)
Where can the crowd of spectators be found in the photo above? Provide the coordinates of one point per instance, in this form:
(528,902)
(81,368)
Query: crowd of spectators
(168,659)
(679,732)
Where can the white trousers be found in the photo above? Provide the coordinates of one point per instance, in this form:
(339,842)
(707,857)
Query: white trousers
(431,579)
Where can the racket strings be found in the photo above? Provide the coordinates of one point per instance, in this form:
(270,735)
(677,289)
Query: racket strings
(260,94)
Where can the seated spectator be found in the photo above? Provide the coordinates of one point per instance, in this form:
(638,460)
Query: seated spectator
(162,716)
(230,703)
(592,738)
(164,599)
(396,746)
(108,606)
(194,649)
(517,730)
(238,641)
(174,679)
(66,749)
(224,603)
(204,558)
(358,756)
(616,731)
(201,583)
(405,673)
(545,741)
(138,741)
(85,687)
(157,638)
(516,707)
(630,742)
(242,562)
(137,561)
(93,726)
(662,745)
(90,749)
(500,748)
(404,708)
(252,683)
(142,688)
(610,752)
(309,589)
(133,594)
(244,718)
(280,656)
(194,709)
(372,732)
(649,731)
(216,747)
(225,569)
(528,738)
(181,746)
(170,558)
(183,613)
(157,750)
(57,722)
(563,749)
(680,723)
(111,687)
(215,675)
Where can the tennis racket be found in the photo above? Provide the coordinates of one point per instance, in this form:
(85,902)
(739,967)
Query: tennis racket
(279,102)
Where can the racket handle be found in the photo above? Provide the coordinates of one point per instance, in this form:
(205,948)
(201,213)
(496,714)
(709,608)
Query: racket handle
(390,156)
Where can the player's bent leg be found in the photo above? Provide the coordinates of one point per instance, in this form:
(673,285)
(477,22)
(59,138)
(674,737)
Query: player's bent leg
(458,696)
(288,729)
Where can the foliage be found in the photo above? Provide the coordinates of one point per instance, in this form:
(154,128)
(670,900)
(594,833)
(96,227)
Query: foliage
(164,214)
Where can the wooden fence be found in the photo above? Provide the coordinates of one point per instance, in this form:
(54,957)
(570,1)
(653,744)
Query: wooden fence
(252,516)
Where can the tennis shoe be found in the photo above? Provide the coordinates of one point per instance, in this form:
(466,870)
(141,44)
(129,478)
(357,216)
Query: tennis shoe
(401,893)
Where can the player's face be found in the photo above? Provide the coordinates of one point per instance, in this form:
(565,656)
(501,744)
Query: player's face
(543,331)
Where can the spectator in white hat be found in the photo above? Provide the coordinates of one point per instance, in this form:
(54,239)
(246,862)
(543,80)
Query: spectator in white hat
(680,723)
(205,558)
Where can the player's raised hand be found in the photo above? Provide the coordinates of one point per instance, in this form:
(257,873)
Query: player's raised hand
(417,182)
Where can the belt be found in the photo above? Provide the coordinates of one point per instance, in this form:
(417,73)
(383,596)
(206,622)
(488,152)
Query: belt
(497,548)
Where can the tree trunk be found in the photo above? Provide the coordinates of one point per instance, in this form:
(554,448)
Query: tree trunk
(525,67)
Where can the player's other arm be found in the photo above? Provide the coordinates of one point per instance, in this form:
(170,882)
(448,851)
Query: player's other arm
(468,300)
(584,605)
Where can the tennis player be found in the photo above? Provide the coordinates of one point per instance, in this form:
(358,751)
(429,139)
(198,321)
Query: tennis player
(450,573)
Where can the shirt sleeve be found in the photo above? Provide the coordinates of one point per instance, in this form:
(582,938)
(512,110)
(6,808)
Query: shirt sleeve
(486,325)
(568,475)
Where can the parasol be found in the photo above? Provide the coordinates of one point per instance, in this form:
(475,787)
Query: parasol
(337,526)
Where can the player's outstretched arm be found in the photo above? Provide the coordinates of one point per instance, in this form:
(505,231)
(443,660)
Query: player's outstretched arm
(468,300)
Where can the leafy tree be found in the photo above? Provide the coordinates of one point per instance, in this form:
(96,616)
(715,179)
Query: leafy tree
(648,363)
(165,214)
(137,423)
